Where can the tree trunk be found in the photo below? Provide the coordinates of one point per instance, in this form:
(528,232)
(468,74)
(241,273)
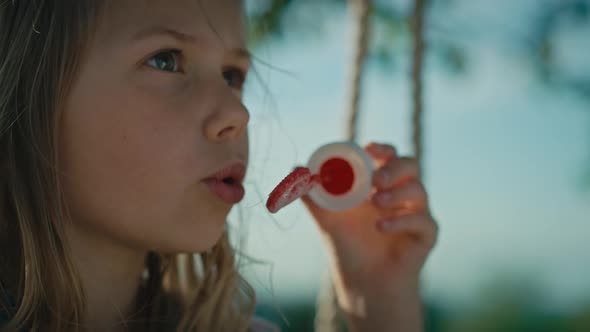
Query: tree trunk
(360,9)
(327,317)
(417,83)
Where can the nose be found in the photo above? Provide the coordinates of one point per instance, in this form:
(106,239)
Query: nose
(228,121)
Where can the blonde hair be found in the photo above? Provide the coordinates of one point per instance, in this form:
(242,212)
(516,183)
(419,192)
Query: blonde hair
(42,44)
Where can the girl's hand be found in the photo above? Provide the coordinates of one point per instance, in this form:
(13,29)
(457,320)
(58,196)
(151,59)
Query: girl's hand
(378,248)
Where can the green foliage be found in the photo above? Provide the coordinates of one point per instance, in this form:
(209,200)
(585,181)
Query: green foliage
(268,21)
(392,26)
(497,314)
(391,37)
(508,302)
(542,44)
(293,316)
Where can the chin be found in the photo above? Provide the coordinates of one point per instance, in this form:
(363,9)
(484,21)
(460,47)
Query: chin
(194,244)
(203,238)
(195,230)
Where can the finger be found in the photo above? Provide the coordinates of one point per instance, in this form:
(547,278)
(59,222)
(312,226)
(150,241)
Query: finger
(410,196)
(422,225)
(396,173)
(382,153)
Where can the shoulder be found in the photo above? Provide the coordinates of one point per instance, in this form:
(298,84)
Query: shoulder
(258,324)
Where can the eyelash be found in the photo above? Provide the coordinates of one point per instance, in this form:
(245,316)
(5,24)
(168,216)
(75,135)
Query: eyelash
(241,75)
(178,54)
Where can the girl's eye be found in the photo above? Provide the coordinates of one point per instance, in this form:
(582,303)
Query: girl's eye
(234,77)
(166,60)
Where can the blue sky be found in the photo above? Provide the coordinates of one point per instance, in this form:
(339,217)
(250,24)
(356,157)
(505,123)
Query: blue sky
(504,158)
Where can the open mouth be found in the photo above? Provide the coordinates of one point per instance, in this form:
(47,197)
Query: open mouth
(228,189)
(229,181)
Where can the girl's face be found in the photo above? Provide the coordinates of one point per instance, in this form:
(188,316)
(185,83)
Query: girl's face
(155,110)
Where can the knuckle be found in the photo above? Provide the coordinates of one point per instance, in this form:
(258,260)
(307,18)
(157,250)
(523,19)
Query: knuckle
(385,174)
(411,162)
(413,189)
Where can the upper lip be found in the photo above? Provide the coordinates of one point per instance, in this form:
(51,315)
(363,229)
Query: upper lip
(235,170)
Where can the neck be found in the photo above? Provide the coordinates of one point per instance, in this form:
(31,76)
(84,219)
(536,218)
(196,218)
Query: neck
(111,277)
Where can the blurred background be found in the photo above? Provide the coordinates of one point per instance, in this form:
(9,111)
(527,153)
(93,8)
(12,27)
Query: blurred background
(493,97)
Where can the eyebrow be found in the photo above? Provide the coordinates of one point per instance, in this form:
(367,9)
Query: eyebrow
(182,37)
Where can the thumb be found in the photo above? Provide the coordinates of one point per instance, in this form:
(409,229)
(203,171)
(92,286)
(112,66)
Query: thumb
(326,220)
(318,212)
(308,202)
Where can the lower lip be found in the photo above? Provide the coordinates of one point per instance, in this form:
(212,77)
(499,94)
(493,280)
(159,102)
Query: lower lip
(229,193)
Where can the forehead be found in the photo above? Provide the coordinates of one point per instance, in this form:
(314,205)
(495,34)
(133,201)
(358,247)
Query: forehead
(220,20)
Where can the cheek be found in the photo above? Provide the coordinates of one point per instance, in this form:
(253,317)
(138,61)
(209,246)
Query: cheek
(127,170)
(113,145)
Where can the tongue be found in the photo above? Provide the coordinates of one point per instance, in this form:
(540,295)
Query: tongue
(296,184)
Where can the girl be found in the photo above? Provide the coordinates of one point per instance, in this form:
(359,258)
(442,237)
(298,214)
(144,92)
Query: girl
(118,119)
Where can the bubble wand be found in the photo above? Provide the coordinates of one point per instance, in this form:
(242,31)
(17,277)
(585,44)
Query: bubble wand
(337,177)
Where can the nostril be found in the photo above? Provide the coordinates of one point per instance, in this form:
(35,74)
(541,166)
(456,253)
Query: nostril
(226,131)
